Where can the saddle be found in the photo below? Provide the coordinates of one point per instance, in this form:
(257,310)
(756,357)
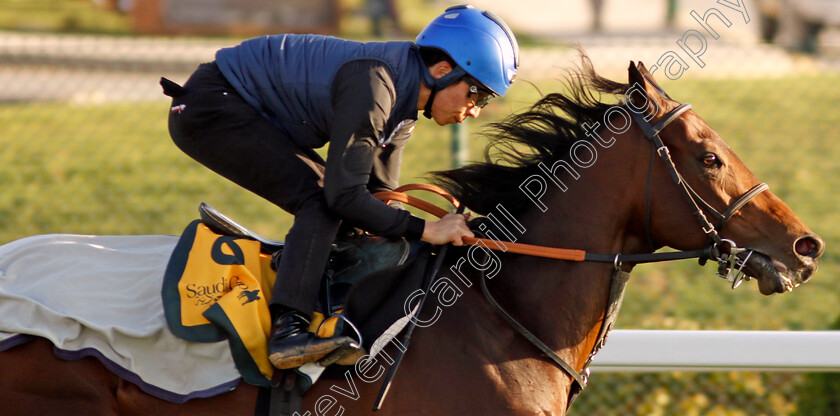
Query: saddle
(362,295)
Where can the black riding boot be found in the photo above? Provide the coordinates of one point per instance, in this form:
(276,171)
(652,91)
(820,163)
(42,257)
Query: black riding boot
(292,345)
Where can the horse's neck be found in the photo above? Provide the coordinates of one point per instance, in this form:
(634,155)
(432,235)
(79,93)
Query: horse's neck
(600,209)
(599,212)
(562,302)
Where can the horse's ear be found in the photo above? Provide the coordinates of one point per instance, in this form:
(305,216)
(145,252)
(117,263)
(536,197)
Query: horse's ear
(644,95)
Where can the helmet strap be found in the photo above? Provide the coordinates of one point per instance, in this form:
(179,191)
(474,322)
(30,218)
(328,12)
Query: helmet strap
(427,110)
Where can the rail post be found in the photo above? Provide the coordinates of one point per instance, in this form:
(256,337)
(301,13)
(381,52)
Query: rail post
(458,144)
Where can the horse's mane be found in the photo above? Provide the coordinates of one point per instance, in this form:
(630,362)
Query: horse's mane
(545,132)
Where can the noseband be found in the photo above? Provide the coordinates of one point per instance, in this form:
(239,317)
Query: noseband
(722,250)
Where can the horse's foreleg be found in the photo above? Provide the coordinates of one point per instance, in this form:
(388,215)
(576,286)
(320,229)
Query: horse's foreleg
(33,381)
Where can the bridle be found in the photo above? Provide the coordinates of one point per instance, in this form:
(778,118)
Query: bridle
(724,251)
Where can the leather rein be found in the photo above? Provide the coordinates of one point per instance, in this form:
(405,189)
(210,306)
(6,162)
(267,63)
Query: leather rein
(698,206)
(722,250)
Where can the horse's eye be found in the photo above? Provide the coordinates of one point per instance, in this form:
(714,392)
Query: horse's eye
(710,160)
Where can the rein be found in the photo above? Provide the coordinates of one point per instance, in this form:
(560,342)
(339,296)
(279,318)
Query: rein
(399,195)
(716,250)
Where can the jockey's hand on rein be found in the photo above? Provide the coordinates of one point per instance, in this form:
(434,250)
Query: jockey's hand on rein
(449,229)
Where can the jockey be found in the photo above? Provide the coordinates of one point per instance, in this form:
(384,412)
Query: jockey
(256,114)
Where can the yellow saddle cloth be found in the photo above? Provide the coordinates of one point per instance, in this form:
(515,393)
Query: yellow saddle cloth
(217,288)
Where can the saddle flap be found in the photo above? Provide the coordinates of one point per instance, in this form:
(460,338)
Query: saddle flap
(378,300)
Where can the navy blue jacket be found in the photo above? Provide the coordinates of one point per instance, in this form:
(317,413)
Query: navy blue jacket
(360,97)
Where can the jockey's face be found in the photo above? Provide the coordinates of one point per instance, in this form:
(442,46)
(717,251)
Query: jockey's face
(454,103)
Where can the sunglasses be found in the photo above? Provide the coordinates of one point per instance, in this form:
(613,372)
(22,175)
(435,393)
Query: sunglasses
(482,96)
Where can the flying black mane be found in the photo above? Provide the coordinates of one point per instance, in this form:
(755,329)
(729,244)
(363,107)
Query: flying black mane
(543,133)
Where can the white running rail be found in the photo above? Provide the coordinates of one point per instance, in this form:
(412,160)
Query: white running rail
(659,351)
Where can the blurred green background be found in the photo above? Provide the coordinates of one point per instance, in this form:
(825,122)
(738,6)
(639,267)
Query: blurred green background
(82,161)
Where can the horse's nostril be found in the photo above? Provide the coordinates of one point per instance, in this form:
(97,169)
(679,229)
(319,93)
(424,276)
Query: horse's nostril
(810,246)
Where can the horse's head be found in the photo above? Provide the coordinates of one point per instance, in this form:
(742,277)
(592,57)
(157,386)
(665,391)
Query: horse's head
(782,251)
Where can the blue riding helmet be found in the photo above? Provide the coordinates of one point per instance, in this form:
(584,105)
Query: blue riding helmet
(478,41)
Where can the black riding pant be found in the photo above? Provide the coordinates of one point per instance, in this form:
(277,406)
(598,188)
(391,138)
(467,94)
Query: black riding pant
(211,123)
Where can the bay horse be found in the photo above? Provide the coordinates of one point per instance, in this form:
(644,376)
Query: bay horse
(570,172)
